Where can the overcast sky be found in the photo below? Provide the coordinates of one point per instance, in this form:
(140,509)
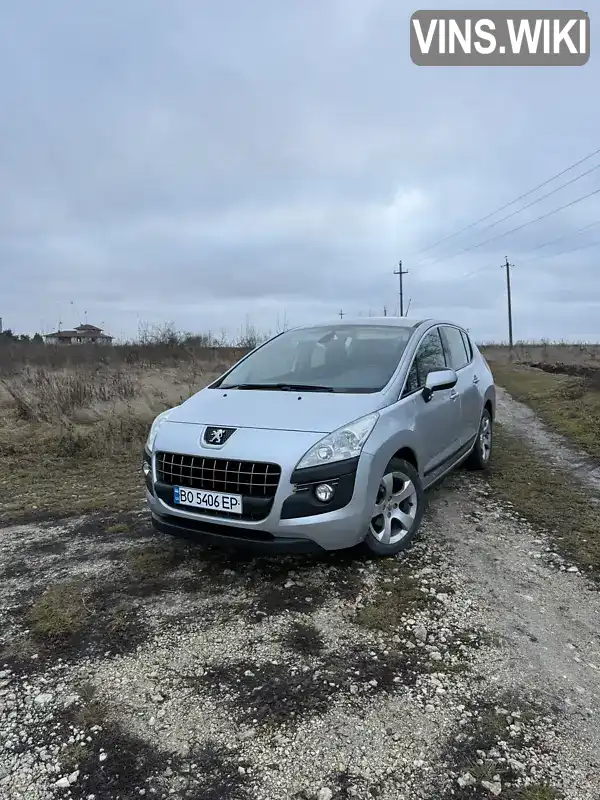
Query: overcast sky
(196,162)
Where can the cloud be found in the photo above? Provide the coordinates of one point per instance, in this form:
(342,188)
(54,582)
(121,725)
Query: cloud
(199,163)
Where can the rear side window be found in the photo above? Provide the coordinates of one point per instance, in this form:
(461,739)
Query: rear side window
(428,358)
(468,345)
(459,356)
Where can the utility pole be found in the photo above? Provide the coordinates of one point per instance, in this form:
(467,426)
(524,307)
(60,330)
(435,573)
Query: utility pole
(507,266)
(400,272)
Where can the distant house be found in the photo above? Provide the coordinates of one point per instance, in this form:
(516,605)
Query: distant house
(83,334)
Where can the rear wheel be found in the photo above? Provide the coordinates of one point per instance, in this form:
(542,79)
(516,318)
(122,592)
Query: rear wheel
(479,457)
(398,510)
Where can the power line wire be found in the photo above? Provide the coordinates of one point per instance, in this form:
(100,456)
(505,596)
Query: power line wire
(481,269)
(567,235)
(539,199)
(539,247)
(507,205)
(536,258)
(518,228)
(562,252)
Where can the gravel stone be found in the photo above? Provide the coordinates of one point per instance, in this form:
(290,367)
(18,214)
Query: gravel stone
(420,633)
(495,787)
(325,794)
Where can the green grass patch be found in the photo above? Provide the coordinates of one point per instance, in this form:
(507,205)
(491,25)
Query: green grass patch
(59,613)
(72,756)
(539,792)
(153,562)
(71,618)
(393,600)
(120,527)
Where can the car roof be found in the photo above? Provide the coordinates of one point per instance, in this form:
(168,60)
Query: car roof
(397,322)
(392,322)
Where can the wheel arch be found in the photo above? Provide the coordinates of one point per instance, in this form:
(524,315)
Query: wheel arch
(408,454)
(394,441)
(489,403)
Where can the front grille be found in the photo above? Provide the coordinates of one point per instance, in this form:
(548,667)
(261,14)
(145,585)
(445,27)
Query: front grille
(256,481)
(249,478)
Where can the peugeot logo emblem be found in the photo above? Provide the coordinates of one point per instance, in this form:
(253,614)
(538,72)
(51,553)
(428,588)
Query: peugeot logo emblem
(217,436)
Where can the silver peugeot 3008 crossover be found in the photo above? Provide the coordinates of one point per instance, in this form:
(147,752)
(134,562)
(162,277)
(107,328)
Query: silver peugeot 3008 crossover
(323,437)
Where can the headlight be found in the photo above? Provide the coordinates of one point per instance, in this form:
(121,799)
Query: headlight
(347,442)
(155,428)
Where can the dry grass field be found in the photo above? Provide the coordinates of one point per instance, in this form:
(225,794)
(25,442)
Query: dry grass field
(560,382)
(73,424)
(550,353)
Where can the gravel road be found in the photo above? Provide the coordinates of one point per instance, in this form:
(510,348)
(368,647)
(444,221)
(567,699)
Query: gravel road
(138,667)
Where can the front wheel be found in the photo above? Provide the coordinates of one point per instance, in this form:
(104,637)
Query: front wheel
(398,510)
(479,457)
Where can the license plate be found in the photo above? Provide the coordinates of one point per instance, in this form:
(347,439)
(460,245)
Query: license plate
(214,501)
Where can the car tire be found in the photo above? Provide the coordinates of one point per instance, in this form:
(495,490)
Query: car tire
(400,506)
(480,455)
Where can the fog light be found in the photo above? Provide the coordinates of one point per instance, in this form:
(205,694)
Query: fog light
(324,492)
(146,469)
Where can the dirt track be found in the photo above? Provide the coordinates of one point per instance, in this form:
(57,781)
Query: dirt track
(522,421)
(468,669)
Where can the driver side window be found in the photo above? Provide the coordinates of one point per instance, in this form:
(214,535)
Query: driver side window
(428,358)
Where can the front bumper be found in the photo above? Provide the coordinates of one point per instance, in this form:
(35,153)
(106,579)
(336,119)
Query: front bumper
(290,526)
(227,537)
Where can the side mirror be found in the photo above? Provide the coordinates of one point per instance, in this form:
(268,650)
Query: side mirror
(437,381)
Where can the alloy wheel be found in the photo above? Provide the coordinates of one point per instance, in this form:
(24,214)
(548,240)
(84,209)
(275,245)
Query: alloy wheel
(395,508)
(485,437)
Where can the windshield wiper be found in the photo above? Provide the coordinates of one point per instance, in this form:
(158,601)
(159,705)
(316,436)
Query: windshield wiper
(282,387)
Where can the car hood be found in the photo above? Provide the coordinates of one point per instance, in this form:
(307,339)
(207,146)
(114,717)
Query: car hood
(315,412)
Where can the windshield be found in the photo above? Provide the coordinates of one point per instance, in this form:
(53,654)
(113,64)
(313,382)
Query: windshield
(335,358)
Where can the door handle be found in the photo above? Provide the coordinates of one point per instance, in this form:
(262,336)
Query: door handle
(475,379)
(453,394)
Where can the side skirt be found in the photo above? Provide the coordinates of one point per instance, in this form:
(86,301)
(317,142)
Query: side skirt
(437,473)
